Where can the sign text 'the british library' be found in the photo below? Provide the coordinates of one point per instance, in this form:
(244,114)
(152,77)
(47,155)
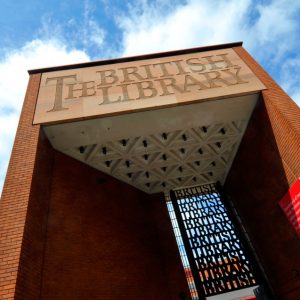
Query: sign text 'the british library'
(142,84)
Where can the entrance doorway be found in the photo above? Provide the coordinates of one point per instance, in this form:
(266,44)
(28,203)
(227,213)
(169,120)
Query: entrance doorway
(216,257)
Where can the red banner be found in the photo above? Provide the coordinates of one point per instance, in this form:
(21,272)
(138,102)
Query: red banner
(290,204)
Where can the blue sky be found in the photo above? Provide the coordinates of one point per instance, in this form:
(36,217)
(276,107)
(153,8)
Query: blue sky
(37,33)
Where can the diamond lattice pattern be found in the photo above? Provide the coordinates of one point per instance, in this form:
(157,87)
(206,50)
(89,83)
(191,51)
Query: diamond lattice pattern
(166,160)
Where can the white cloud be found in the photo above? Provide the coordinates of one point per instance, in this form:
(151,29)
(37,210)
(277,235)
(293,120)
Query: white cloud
(95,34)
(8,125)
(290,77)
(194,24)
(90,32)
(276,20)
(14,79)
(85,32)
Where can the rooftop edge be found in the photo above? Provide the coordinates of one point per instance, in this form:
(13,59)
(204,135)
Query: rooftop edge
(135,58)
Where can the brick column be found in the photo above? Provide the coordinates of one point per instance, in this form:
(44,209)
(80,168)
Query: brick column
(266,165)
(20,266)
(284,116)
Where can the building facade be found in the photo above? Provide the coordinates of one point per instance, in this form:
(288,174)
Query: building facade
(98,149)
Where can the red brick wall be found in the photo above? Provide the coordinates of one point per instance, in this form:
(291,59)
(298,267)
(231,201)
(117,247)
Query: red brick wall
(33,245)
(17,198)
(267,164)
(107,240)
(65,236)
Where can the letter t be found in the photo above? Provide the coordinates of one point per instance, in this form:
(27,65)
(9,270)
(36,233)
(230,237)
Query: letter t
(58,92)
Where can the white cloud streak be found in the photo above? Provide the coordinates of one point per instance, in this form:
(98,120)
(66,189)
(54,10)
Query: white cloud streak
(84,33)
(90,32)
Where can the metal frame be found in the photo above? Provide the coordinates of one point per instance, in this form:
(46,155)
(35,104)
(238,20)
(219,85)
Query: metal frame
(244,274)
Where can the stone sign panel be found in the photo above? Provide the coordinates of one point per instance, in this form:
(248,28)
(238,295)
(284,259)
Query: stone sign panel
(142,85)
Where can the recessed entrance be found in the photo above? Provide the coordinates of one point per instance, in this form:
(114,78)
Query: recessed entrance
(173,149)
(215,259)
